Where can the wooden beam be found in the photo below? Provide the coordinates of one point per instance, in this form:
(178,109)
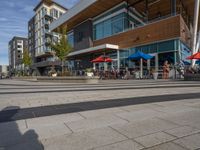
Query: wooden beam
(135,3)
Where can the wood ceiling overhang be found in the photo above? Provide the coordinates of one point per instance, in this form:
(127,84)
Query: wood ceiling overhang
(101,6)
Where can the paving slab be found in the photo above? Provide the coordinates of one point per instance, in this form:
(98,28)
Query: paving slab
(170,108)
(154,139)
(139,114)
(19,125)
(12,132)
(14,137)
(101,112)
(50,130)
(182,131)
(124,145)
(32,144)
(95,122)
(84,140)
(54,119)
(190,118)
(191,142)
(145,127)
(167,146)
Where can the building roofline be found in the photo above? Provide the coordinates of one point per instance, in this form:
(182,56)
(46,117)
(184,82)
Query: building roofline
(76,9)
(49,4)
(20,37)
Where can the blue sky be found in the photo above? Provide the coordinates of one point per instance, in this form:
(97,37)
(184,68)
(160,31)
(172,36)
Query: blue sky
(14,16)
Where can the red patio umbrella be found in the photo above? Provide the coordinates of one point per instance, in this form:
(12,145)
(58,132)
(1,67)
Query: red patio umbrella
(102,59)
(108,59)
(195,56)
(98,59)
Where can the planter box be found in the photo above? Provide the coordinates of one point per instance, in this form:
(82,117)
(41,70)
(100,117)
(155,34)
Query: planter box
(70,79)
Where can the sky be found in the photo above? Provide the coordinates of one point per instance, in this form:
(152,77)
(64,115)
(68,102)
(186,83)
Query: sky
(14,17)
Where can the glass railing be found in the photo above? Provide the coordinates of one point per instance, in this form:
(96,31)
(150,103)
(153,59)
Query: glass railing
(156,19)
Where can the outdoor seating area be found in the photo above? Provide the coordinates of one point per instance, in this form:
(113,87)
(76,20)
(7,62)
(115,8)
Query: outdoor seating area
(192,73)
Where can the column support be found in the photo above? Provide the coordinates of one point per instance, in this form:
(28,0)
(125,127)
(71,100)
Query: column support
(141,68)
(156,62)
(118,59)
(149,64)
(147,9)
(195,27)
(198,43)
(173,7)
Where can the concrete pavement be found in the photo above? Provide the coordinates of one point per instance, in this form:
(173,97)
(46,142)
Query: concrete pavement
(123,120)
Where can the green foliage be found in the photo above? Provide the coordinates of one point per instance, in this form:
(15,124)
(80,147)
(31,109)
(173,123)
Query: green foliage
(26,58)
(88,70)
(61,47)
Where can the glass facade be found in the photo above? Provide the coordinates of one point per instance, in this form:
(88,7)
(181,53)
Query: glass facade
(185,52)
(166,50)
(110,26)
(158,47)
(114,21)
(70,38)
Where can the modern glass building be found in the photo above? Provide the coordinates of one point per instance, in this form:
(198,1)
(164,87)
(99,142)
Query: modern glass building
(119,28)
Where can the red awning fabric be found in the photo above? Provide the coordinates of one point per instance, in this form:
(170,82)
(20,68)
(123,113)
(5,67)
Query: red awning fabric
(195,56)
(98,59)
(108,59)
(101,59)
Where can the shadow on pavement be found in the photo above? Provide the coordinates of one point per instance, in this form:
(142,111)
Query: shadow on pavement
(14,137)
(42,111)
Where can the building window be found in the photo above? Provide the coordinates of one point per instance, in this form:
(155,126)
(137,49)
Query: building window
(99,31)
(70,38)
(80,36)
(19,46)
(109,27)
(19,41)
(44,11)
(51,12)
(118,24)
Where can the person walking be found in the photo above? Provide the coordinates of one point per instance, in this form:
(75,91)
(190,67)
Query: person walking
(166,69)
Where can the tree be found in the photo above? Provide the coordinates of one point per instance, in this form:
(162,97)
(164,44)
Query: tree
(61,47)
(26,59)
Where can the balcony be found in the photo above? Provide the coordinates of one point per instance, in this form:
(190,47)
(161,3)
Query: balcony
(46,16)
(169,27)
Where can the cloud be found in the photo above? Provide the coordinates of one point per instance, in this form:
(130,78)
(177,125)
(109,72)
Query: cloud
(27,9)
(14,17)
(3,19)
(9,4)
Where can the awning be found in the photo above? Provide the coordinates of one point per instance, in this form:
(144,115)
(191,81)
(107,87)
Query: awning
(101,59)
(93,49)
(194,56)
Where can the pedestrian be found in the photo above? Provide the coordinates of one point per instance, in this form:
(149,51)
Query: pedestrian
(166,70)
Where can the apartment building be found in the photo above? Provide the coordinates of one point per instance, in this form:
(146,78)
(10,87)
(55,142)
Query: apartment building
(39,35)
(119,28)
(16,47)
